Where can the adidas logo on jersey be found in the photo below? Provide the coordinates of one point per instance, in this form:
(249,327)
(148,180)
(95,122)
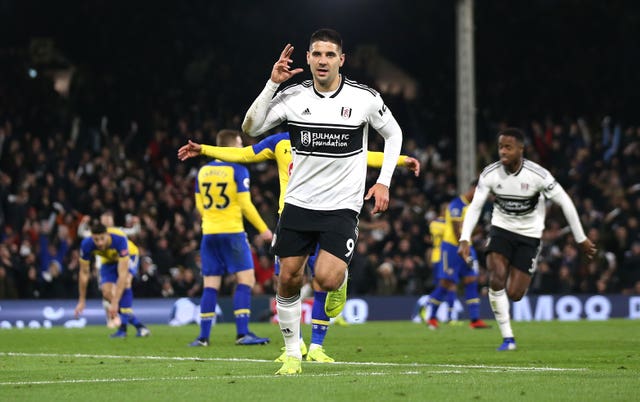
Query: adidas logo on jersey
(306,112)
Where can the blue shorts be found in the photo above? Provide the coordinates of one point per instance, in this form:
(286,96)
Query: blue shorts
(311,263)
(437,271)
(452,266)
(109,272)
(225,253)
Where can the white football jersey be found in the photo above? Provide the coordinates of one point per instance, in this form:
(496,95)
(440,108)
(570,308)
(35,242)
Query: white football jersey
(329,136)
(519,204)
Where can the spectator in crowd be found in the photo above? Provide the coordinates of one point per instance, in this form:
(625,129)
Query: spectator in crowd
(8,288)
(148,284)
(53,285)
(630,268)
(362,271)
(187,284)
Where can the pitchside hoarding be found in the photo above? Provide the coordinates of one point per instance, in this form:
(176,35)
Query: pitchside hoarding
(48,313)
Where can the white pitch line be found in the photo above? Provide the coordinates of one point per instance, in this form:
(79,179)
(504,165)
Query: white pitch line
(191,378)
(375,364)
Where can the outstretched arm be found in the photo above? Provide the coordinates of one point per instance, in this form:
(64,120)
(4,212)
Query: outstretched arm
(374,159)
(226,154)
(234,155)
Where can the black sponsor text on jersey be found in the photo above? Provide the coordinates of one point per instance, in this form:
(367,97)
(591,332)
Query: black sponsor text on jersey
(325,140)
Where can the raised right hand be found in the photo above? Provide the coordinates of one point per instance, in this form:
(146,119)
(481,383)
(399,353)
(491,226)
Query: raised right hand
(282,69)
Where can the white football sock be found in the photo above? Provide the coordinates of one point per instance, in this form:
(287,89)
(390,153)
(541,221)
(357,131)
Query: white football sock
(500,306)
(289,313)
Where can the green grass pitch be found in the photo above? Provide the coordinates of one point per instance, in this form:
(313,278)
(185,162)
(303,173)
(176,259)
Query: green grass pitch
(375,361)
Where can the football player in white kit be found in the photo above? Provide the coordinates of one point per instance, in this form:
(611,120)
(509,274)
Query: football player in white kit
(328,120)
(520,187)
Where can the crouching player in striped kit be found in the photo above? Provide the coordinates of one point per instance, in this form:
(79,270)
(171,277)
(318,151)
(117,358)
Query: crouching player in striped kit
(119,257)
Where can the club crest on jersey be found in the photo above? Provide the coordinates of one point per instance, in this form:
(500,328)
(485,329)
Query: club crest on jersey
(346,112)
(524,186)
(305,138)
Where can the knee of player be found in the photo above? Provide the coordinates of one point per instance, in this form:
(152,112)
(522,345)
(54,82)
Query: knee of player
(516,295)
(470,279)
(248,282)
(295,279)
(328,283)
(497,282)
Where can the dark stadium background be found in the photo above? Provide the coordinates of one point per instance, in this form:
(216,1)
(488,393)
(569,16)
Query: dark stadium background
(532,58)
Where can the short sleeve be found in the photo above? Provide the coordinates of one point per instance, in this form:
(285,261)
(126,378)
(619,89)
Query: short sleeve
(268,145)
(120,244)
(241,176)
(456,209)
(86,247)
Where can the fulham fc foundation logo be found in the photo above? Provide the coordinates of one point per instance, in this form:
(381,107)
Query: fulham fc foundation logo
(305,137)
(346,112)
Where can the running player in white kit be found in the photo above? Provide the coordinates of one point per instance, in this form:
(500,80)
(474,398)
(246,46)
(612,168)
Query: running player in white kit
(520,187)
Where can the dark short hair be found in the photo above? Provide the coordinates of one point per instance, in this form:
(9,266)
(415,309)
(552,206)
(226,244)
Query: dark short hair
(326,35)
(97,227)
(513,132)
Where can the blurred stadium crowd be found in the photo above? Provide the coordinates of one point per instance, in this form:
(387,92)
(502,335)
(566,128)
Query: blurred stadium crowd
(108,140)
(49,180)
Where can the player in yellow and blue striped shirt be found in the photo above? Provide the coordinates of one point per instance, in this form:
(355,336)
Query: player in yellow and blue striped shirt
(120,258)
(223,199)
(452,267)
